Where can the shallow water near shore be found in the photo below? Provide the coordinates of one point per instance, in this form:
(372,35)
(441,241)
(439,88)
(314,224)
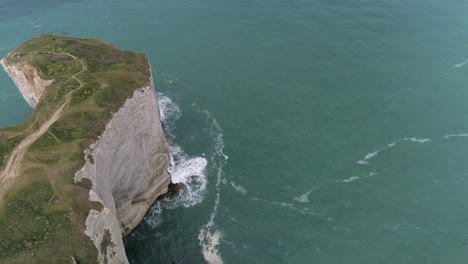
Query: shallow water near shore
(306,131)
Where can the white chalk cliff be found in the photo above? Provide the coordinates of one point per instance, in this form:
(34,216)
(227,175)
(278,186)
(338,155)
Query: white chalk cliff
(128,168)
(27,79)
(127,165)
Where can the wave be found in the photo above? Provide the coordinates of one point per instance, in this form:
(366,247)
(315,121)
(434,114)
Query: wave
(169,113)
(191,171)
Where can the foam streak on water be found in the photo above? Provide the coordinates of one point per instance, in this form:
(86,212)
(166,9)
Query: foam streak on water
(373,154)
(209,236)
(350,179)
(456,135)
(459,65)
(239,188)
(418,140)
(304,198)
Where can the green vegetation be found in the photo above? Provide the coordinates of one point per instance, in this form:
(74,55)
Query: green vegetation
(34,221)
(6,146)
(42,217)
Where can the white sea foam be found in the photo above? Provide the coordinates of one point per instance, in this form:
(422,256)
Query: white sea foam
(168,110)
(154,216)
(304,198)
(350,179)
(209,236)
(354,178)
(239,188)
(373,154)
(419,140)
(368,157)
(456,135)
(460,64)
(191,171)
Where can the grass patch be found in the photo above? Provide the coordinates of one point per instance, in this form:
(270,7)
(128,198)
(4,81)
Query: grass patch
(6,147)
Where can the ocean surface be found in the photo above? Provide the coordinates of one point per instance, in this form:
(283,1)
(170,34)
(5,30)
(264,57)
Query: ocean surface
(306,131)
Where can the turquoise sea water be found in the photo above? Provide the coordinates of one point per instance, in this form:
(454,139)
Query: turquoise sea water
(307,131)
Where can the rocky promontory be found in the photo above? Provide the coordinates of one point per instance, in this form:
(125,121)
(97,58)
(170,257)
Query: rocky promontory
(92,159)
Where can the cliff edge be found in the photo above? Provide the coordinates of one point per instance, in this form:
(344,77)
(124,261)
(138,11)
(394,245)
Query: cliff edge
(84,170)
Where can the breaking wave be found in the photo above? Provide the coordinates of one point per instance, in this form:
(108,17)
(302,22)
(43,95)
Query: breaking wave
(191,171)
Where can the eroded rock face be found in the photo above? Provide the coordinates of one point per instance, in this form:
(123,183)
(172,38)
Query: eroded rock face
(128,169)
(27,79)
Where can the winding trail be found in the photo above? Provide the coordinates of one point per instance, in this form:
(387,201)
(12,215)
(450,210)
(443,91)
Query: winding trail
(13,165)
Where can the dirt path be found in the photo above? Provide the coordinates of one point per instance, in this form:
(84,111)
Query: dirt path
(13,165)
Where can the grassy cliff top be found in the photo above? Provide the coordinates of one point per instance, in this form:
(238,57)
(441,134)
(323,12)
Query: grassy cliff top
(42,211)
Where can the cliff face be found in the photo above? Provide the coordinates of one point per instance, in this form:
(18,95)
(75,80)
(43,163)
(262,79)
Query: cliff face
(28,81)
(128,168)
